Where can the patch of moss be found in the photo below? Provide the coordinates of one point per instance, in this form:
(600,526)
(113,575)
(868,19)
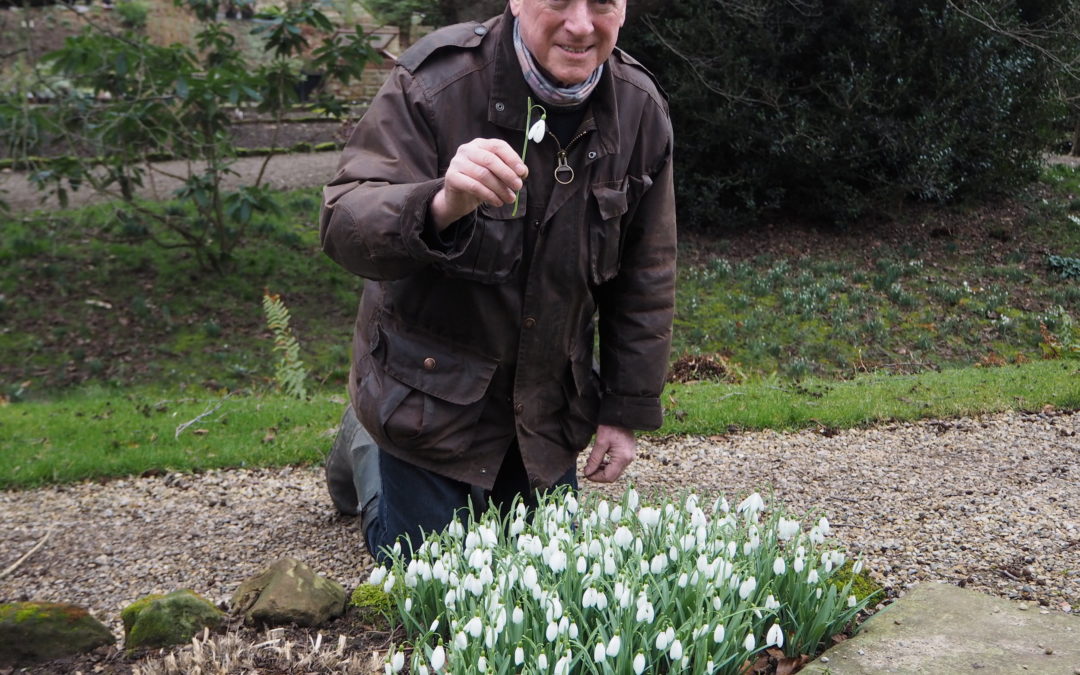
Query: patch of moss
(862,586)
(129,614)
(371,602)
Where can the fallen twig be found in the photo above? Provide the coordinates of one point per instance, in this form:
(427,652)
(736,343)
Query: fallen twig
(180,429)
(11,568)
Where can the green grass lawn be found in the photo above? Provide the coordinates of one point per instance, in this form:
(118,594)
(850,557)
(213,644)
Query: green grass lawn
(108,343)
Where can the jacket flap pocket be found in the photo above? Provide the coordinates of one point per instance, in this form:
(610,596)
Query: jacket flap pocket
(611,198)
(437,368)
(506,211)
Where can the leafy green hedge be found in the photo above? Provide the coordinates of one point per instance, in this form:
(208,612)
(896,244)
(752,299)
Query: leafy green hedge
(837,108)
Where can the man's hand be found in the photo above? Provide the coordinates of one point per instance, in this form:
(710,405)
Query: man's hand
(612,452)
(482,170)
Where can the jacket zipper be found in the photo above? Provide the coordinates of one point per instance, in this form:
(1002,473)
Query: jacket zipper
(564,173)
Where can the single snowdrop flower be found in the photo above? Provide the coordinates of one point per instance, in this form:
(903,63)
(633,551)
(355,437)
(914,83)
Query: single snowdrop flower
(639,664)
(772,604)
(519,656)
(752,505)
(676,651)
(538,129)
(718,634)
(812,577)
(408,605)
(461,641)
(798,565)
(377,576)
(599,654)
(857,567)
(438,658)
(852,601)
(747,587)
(749,643)
(517,616)
(398,662)
(632,499)
(474,627)
(779,566)
(541,662)
(823,525)
(775,636)
(614,645)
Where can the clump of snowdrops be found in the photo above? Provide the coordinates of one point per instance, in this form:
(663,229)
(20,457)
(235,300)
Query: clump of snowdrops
(691,586)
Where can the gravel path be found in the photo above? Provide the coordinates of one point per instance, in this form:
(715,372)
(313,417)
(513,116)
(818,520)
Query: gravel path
(990,503)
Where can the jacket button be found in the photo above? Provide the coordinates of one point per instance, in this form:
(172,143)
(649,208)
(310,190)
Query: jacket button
(480,30)
(519,408)
(429,363)
(529,322)
(500,106)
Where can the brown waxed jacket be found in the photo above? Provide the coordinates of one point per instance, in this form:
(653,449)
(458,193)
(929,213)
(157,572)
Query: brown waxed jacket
(483,332)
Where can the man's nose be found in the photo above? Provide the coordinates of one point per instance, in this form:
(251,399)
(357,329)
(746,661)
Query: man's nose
(578,19)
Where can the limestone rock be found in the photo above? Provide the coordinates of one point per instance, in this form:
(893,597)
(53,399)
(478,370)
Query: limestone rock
(289,592)
(42,631)
(164,620)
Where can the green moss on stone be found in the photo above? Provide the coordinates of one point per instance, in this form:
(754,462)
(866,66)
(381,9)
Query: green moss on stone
(132,611)
(371,602)
(170,620)
(862,586)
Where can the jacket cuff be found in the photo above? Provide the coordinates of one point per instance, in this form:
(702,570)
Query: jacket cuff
(632,412)
(421,237)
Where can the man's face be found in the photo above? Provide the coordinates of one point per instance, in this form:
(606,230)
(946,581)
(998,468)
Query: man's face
(569,38)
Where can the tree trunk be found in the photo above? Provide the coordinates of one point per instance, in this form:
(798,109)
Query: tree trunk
(1075,151)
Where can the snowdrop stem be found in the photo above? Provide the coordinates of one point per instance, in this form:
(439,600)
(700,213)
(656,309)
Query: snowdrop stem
(525,146)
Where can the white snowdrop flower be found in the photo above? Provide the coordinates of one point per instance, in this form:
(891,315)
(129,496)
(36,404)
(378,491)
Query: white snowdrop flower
(818,593)
(838,558)
(673,553)
(688,542)
(434,626)
(779,566)
(438,570)
(721,505)
(481,664)
(489,637)
(573,631)
(486,576)
(388,585)
(396,548)
(828,565)
(747,587)
(812,577)
(698,519)
(521,511)
(564,625)
(562,666)
(857,567)
(616,513)
(658,563)
(718,634)
(571,504)
(476,559)
(852,601)
(408,605)
(649,517)
(662,640)
(519,656)
(798,565)
(552,631)
(752,505)
(474,627)
(517,616)
(529,577)
(450,599)
(596,549)
(461,641)
(632,499)
(537,131)
(683,580)
(638,546)
(710,666)
(676,651)
(699,631)
(377,576)
(603,510)
(717,603)
(691,503)
(786,529)
(775,636)
(645,612)
(623,537)
(423,670)
(639,663)
(488,537)
(732,549)
(614,645)
(588,598)
(438,658)
(601,601)
(599,653)
(823,525)
(772,604)
(397,663)
(472,540)
(455,529)
(517,527)
(610,568)
(541,662)
(582,565)
(816,536)
(749,643)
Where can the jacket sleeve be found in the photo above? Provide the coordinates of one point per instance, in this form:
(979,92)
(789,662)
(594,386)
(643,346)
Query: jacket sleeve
(374,219)
(636,310)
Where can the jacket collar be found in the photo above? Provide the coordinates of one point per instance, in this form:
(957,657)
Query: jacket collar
(510,92)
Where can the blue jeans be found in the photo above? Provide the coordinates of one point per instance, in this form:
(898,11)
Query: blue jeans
(414,500)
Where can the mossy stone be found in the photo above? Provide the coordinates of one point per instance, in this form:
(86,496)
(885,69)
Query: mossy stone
(371,602)
(289,592)
(173,619)
(42,631)
(862,586)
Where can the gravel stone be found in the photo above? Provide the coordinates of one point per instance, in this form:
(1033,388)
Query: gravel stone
(988,504)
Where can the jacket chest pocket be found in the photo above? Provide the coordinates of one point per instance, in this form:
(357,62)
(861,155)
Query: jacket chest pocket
(605,229)
(423,395)
(493,255)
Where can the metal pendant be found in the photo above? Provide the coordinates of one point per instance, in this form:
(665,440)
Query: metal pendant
(564,175)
